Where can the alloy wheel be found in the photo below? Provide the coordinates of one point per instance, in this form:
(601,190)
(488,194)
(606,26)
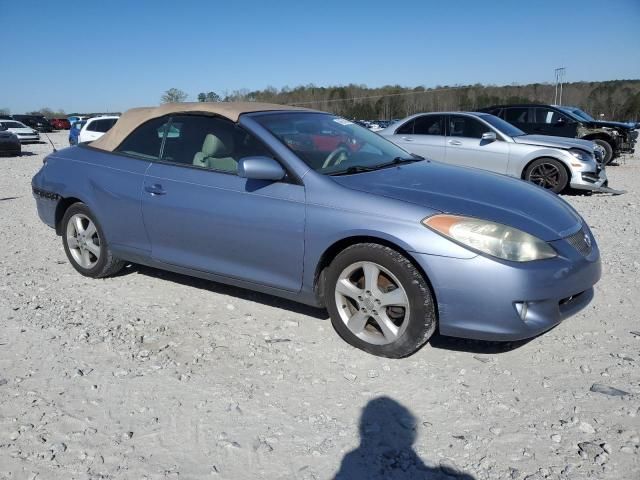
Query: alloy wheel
(547,175)
(83,241)
(372,303)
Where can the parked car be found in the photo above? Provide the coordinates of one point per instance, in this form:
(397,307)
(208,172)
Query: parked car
(37,122)
(60,123)
(74,132)
(9,142)
(481,140)
(25,134)
(95,127)
(394,246)
(615,138)
(76,118)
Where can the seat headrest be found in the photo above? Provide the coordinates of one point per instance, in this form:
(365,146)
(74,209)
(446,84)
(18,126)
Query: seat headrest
(219,145)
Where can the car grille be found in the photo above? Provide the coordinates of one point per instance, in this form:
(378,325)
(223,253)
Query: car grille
(581,241)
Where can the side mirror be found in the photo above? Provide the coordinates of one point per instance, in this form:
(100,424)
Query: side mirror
(489,136)
(260,168)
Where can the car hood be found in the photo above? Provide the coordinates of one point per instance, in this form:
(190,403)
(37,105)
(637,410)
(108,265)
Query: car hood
(616,125)
(22,130)
(555,142)
(471,192)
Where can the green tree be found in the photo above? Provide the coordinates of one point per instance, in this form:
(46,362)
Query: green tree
(211,97)
(174,95)
(202,97)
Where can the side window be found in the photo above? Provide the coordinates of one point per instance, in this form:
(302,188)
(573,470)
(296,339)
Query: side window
(209,142)
(517,115)
(102,126)
(429,125)
(92,126)
(460,126)
(548,116)
(145,141)
(406,129)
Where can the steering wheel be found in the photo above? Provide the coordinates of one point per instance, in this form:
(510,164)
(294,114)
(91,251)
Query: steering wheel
(337,156)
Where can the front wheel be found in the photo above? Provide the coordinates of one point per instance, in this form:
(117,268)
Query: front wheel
(85,245)
(548,173)
(378,301)
(608,150)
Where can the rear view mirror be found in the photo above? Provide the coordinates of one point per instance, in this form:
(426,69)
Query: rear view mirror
(260,168)
(489,136)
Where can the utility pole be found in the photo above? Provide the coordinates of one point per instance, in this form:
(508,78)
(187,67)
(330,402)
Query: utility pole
(559,72)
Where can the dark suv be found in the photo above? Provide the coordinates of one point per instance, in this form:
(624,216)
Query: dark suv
(614,137)
(37,122)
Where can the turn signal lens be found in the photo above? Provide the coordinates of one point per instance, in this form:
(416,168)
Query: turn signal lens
(492,238)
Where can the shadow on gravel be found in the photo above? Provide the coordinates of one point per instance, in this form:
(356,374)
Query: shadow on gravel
(387,433)
(222,289)
(8,198)
(474,346)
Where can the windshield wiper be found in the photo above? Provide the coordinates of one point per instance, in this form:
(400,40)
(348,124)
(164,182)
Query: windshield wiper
(353,169)
(398,161)
(362,168)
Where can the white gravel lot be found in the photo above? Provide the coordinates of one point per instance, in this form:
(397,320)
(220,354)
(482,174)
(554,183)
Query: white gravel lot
(152,375)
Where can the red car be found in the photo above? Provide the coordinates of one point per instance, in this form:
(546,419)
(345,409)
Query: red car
(60,123)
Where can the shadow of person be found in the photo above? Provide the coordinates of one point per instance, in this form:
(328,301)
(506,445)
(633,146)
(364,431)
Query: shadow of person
(387,433)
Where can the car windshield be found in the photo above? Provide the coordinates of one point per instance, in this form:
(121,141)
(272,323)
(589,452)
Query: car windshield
(332,145)
(579,113)
(502,126)
(13,125)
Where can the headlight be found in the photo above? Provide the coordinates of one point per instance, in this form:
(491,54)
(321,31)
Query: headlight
(491,238)
(581,155)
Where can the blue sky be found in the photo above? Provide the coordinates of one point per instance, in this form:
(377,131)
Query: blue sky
(116,54)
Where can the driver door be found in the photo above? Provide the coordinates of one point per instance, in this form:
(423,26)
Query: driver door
(551,122)
(201,215)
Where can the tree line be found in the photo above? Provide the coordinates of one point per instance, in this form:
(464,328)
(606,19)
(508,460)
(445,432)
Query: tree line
(614,99)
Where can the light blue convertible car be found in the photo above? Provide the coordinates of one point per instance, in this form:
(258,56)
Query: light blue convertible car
(309,206)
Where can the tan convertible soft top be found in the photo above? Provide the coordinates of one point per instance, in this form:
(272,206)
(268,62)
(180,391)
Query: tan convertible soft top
(132,119)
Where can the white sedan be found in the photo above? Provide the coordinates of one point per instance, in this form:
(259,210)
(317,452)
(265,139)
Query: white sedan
(95,127)
(25,134)
(484,141)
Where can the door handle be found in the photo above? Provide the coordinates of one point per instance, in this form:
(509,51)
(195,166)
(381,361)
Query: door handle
(407,139)
(155,189)
(455,142)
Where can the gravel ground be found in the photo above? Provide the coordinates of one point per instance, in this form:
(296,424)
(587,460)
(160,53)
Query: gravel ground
(152,375)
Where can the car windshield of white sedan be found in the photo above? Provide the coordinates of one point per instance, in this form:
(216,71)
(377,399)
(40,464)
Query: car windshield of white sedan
(502,126)
(332,145)
(13,125)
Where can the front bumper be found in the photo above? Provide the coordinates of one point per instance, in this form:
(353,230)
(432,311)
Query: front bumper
(477,298)
(589,180)
(28,138)
(11,148)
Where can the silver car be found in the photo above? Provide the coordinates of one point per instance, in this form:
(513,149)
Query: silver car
(481,140)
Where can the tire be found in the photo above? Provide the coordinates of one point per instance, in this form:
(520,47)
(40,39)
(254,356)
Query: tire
(608,150)
(392,331)
(85,246)
(547,173)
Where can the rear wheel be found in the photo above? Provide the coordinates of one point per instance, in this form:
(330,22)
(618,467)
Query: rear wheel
(85,245)
(547,173)
(378,301)
(608,150)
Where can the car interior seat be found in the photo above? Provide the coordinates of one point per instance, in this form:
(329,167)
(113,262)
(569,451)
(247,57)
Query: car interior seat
(215,153)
